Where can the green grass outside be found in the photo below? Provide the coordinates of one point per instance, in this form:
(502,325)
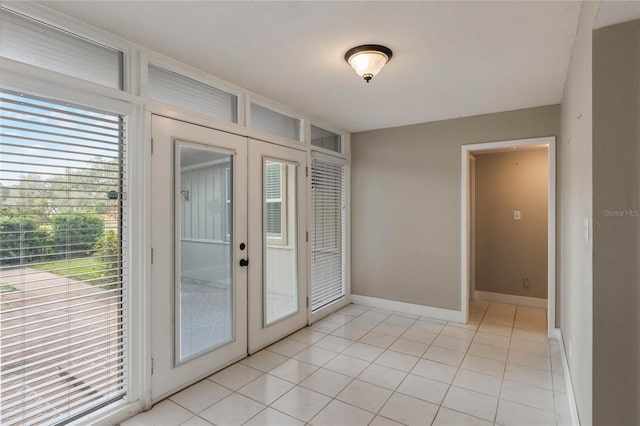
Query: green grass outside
(88,269)
(6,288)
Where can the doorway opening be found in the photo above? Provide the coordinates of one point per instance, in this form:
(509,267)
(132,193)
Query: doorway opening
(508,224)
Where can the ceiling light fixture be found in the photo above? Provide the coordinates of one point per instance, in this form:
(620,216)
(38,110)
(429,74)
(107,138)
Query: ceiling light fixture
(367,60)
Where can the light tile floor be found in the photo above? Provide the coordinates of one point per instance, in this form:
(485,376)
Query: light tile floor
(363,366)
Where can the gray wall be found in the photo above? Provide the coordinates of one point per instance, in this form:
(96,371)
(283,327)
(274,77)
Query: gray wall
(616,238)
(406,202)
(575,204)
(508,250)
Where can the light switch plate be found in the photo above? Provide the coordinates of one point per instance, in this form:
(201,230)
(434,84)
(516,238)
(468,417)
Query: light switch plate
(516,215)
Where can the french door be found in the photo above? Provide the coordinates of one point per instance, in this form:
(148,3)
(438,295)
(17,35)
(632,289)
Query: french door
(228,259)
(277,249)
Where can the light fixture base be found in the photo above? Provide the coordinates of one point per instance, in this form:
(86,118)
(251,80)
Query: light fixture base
(368,48)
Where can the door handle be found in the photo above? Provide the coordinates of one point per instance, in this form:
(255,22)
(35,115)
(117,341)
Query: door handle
(244,262)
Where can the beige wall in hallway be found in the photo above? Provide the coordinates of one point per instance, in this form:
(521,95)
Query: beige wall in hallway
(406,202)
(508,250)
(616,234)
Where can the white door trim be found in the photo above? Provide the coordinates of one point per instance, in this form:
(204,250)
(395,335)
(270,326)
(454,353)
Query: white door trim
(465,237)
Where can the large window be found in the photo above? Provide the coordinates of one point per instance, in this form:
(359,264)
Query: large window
(62,257)
(328,210)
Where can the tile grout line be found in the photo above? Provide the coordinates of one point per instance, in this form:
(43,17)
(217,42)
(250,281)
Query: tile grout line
(504,372)
(377,413)
(457,371)
(555,413)
(334,398)
(295,384)
(331,399)
(395,390)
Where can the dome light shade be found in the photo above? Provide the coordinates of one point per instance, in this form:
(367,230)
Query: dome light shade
(367,60)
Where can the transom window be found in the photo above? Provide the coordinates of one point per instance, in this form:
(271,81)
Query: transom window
(35,43)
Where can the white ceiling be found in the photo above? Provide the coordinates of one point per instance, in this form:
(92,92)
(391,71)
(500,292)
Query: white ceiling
(615,12)
(451,59)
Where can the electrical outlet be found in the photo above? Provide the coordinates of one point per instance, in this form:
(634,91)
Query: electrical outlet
(526,283)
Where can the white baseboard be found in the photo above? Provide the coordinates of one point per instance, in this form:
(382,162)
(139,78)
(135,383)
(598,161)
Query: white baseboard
(409,308)
(575,420)
(533,302)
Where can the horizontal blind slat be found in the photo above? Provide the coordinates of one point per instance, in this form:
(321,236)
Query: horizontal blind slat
(47,363)
(34,129)
(69,130)
(92,332)
(67,333)
(24,113)
(86,401)
(27,332)
(38,105)
(68,383)
(84,369)
(49,317)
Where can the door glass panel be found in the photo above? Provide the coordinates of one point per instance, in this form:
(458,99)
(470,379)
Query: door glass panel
(204,272)
(280,231)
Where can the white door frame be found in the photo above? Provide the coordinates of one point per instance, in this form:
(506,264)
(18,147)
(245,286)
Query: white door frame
(472,225)
(465,217)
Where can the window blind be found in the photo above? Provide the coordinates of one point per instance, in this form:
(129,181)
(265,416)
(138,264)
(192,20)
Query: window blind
(273,199)
(270,121)
(62,257)
(34,43)
(174,89)
(328,204)
(326,139)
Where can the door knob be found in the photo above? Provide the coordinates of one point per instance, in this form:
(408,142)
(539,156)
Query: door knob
(244,262)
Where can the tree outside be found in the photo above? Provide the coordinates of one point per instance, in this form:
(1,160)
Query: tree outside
(48,220)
